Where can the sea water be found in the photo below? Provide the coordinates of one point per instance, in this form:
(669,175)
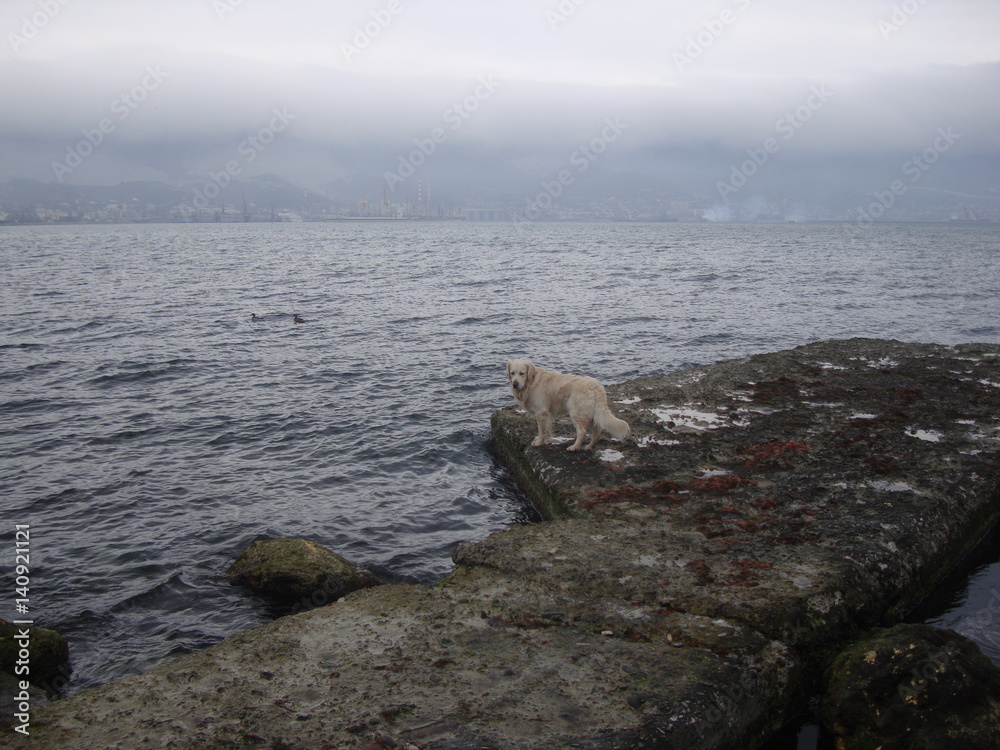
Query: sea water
(151,429)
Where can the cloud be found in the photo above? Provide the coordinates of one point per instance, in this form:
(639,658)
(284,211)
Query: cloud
(698,84)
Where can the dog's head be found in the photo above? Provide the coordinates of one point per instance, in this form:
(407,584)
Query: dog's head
(520,373)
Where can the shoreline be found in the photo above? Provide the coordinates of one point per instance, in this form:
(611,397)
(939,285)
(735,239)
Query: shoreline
(446,220)
(686,589)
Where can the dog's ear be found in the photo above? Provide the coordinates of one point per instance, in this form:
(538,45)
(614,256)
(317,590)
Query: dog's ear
(508,369)
(531,372)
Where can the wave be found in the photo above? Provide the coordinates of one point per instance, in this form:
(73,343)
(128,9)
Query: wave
(23,345)
(130,373)
(125,436)
(30,406)
(170,588)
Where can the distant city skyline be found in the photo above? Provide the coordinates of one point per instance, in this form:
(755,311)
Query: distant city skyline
(274,199)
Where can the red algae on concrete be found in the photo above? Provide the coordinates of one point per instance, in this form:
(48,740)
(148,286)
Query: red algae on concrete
(687,589)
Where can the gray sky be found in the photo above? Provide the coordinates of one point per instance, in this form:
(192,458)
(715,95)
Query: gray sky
(178,90)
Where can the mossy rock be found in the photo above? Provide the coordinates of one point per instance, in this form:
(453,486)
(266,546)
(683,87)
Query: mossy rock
(913,687)
(297,568)
(49,652)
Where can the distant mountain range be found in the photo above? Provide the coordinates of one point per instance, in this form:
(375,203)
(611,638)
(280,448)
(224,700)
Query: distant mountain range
(261,196)
(685,192)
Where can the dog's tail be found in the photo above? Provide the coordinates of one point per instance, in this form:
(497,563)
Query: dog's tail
(610,423)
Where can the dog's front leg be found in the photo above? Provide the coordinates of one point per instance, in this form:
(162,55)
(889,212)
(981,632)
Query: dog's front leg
(544,420)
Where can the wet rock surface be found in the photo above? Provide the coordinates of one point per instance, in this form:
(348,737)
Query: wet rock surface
(48,652)
(914,687)
(296,568)
(691,587)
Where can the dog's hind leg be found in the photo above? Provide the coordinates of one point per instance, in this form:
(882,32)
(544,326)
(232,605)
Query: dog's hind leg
(595,438)
(581,424)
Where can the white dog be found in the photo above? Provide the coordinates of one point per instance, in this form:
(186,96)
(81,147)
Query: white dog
(546,395)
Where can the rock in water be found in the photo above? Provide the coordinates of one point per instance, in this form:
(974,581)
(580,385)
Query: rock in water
(49,654)
(297,568)
(914,687)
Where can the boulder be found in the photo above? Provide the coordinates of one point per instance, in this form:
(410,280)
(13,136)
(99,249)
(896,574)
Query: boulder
(297,569)
(48,653)
(913,687)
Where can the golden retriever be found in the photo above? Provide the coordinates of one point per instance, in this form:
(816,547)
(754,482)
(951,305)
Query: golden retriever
(546,395)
